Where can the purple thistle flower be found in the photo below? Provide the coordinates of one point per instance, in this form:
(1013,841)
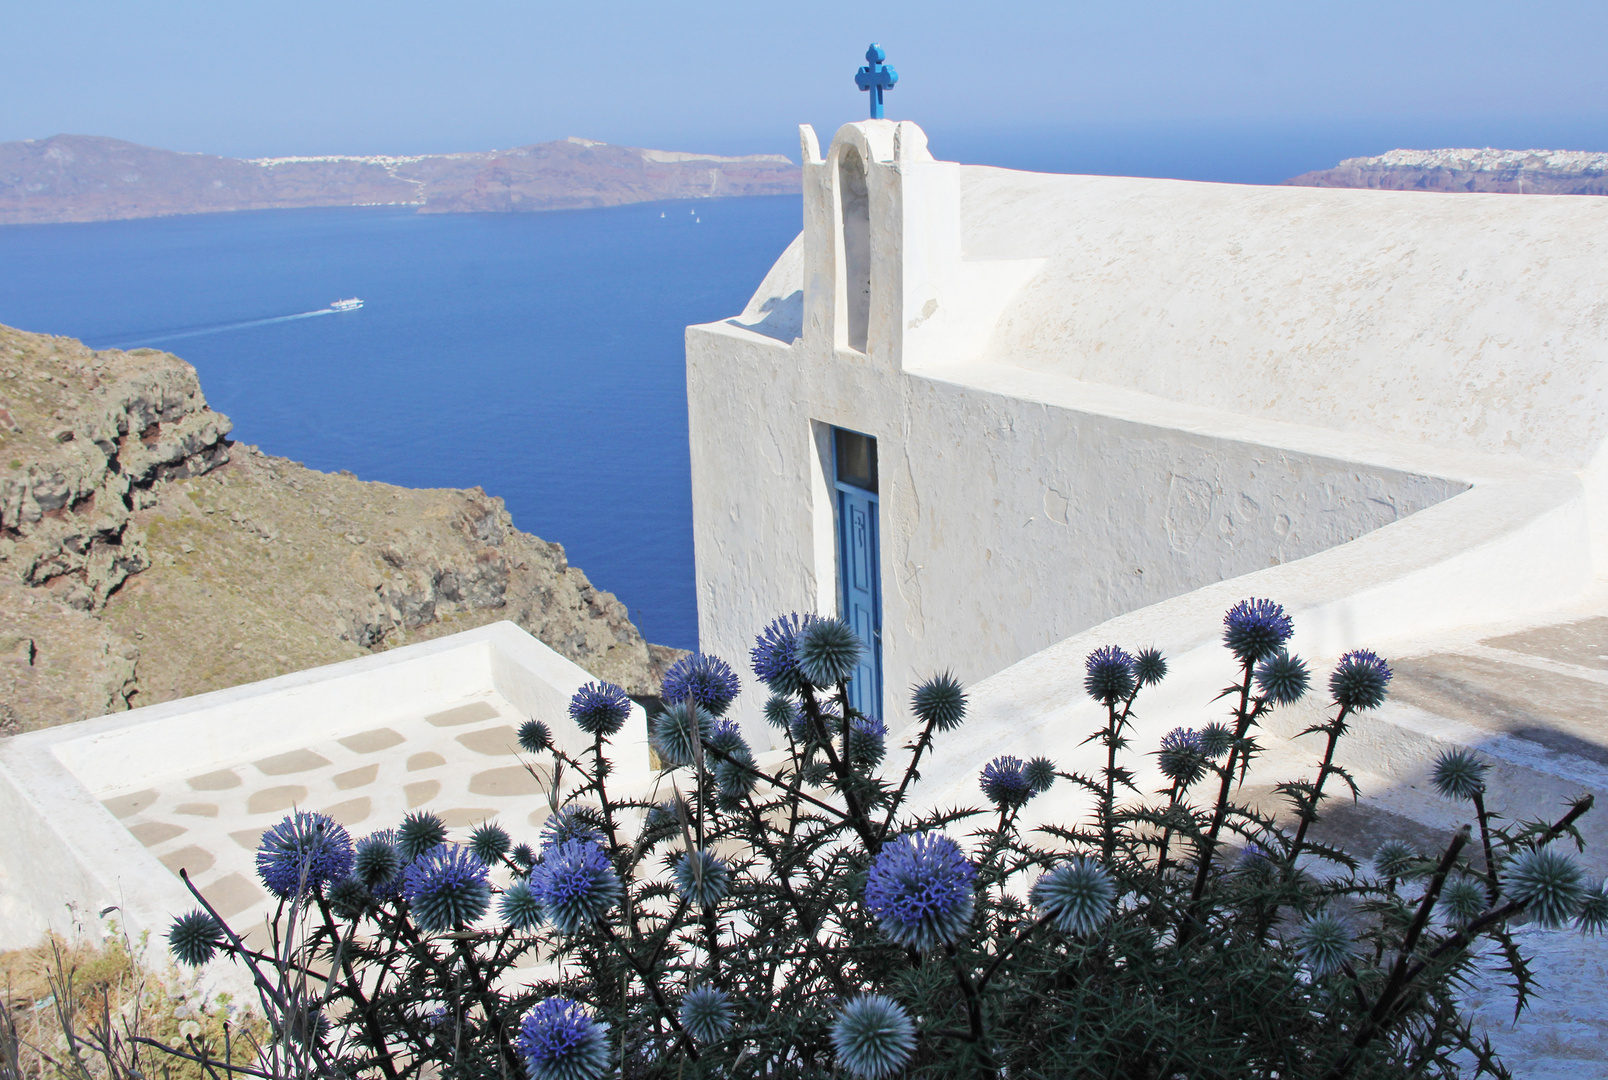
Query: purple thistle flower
(1006,783)
(1109,675)
(775,654)
(575,884)
(1256,629)
(302,854)
(559,1040)
(446,887)
(1360,680)
(600,708)
(706,680)
(920,888)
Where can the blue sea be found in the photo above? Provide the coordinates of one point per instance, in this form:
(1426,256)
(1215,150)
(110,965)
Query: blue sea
(538,356)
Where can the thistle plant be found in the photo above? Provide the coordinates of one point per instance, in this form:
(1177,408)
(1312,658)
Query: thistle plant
(801,913)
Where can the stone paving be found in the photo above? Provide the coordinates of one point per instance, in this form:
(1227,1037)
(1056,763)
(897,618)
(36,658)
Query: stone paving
(462,763)
(1534,703)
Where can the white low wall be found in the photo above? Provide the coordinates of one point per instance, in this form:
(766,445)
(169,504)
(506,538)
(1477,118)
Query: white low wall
(64,857)
(1502,551)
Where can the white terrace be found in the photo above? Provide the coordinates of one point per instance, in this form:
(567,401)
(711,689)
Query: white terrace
(104,813)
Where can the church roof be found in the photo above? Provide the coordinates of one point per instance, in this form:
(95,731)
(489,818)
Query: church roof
(1476,321)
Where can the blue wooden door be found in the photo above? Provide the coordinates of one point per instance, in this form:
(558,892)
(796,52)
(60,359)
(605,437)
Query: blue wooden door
(860,591)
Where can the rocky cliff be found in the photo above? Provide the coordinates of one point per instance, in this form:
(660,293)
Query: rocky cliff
(145,557)
(1518,172)
(90,178)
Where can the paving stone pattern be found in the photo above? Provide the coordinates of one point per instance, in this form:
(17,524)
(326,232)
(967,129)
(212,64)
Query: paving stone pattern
(462,763)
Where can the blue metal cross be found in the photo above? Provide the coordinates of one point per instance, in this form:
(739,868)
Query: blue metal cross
(876,77)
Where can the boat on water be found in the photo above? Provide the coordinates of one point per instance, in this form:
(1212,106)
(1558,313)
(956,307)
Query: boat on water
(346,305)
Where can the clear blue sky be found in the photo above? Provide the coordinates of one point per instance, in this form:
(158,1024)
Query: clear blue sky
(1045,84)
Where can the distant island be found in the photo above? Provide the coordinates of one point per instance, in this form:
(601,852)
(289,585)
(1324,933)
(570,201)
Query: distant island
(1515,172)
(93,178)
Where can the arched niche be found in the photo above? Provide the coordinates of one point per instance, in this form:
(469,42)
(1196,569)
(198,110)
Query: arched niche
(855,277)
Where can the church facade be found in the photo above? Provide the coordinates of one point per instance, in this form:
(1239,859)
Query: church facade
(981,412)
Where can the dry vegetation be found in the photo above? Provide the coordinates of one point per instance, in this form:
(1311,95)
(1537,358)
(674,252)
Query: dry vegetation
(78,1011)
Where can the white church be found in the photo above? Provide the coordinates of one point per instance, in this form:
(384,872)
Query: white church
(998,419)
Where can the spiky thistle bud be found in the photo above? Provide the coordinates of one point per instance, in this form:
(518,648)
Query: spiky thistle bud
(673,732)
(446,888)
(873,1037)
(1325,943)
(1549,882)
(940,701)
(490,843)
(1041,774)
(1149,666)
(535,737)
(1458,774)
(420,832)
(193,939)
(1462,901)
(1077,895)
(706,1013)
(1282,678)
(828,652)
(519,907)
(1395,859)
(702,878)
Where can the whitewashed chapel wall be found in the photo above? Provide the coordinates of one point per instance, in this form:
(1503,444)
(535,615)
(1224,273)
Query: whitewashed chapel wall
(1019,505)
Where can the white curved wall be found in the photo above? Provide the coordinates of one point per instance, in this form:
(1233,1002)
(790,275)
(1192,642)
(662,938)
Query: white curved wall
(1467,320)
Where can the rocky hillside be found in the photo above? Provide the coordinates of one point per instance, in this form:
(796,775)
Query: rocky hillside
(145,557)
(90,178)
(1517,172)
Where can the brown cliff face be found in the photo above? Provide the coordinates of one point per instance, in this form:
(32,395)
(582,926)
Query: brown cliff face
(90,178)
(143,557)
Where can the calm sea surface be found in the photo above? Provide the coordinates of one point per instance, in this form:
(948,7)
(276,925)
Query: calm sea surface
(538,356)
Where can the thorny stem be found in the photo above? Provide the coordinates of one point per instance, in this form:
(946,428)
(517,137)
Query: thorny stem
(1309,813)
(975,1034)
(354,986)
(645,973)
(1026,932)
(1492,887)
(923,741)
(840,766)
(1376,1021)
(1209,845)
